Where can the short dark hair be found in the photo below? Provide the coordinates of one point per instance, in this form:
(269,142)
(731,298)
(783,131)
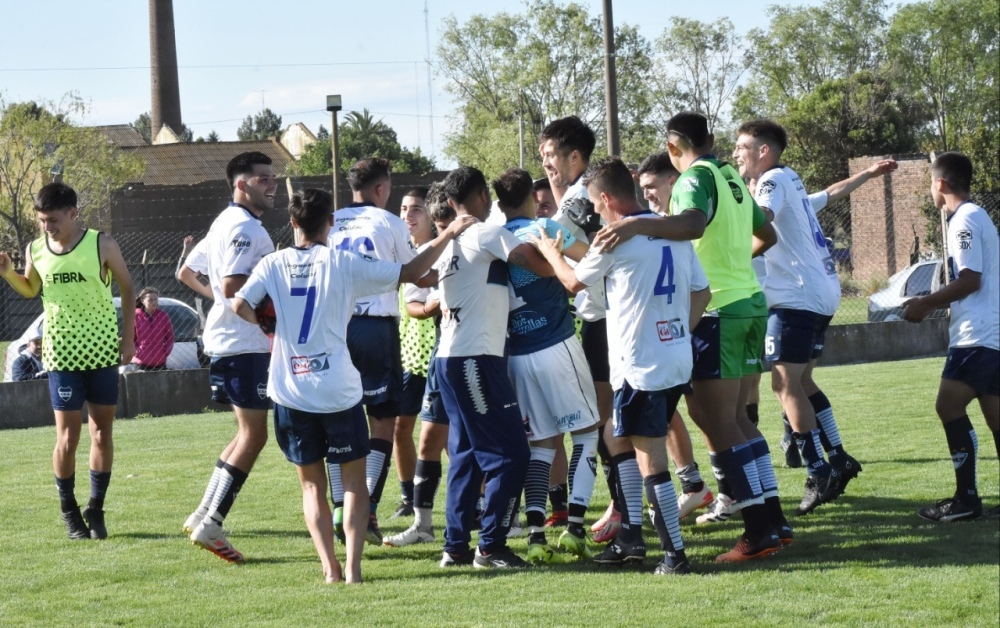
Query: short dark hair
(569,134)
(417,192)
(463,182)
(657,164)
(55,196)
(692,127)
(767,131)
(368,172)
(243,164)
(513,188)
(541,184)
(955,169)
(610,176)
(310,208)
(437,203)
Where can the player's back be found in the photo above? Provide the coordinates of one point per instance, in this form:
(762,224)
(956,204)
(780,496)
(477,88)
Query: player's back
(972,241)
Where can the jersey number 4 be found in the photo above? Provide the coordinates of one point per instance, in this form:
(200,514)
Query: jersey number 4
(665,279)
(307,315)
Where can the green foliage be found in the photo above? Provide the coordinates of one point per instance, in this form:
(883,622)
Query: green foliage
(144,125)
(261,126)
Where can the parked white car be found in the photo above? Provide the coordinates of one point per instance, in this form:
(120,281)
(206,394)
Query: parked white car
(917,280)
(186,354)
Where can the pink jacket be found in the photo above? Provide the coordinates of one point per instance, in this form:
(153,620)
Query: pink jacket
(154,337)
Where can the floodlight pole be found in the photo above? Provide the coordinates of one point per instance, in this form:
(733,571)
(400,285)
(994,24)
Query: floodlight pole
(333,105)
(610,81)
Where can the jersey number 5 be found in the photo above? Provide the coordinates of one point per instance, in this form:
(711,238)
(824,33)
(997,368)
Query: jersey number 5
(307,315)
(665,279)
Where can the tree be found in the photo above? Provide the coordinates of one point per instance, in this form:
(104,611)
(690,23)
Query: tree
(144,125)
(323,133)
(38,141)
(262,126)
(212,136)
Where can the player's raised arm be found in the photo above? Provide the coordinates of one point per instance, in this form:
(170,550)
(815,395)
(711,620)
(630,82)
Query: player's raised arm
(841,189)
(115,263)
(28,284)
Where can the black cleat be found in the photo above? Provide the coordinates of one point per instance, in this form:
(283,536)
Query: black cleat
(785,534)
(502,558)
(618,553)
(992,513)
(682,568)
(793,459)
(75,526)
(95,519)
(849,468)
(404,509)
(463,559)
(951,510)
(818,491)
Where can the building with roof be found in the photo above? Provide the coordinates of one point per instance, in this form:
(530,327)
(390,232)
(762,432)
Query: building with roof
(121,135)
(296,138)
(190,163)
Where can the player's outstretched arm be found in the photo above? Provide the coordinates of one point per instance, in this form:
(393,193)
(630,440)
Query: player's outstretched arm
(416,268)
(967,282)
(688,225)
(841,189)
(552,250)
(115,263)
(26,285)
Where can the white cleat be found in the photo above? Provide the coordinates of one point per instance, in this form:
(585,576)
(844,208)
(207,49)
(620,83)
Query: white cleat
(409,536)
(720,510)
(687,503)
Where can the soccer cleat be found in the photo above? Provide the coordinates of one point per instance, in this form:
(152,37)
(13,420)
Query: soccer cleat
(849,468)
(575,545)
(682,568)
(457,560)
(75,526)
(502,558)
(719,510)
(211,537)
(374,535)
(609,531)
(618,553)
(609,514)
(338,525)
(992,513)
(785,534)
(557,518)
(193,520)
(405,509)
(687,503)
(515,531)
(818,491)
(541,554)
(951,510)
(95,521)
(793,459)
(745,549)
(409,536)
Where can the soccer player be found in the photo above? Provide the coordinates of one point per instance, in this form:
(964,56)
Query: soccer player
(316,389)
(366,227)
(545,201)
(192,266)
(803,292)
(551,379)
(656,291)
(486,438)
(235,243)
(972,369)
(712,207)
(72,267)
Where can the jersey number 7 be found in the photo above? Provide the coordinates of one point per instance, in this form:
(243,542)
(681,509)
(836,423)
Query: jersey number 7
(307,315)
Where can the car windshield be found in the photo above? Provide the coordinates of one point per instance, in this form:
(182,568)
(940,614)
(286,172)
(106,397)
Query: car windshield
(919,283)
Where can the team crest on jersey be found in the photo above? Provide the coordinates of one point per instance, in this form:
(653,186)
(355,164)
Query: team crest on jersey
(302,364)
(65,392)
(737,191)
(670,330)
(964,238)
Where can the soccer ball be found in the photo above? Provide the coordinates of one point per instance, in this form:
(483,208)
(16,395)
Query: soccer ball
(266,317)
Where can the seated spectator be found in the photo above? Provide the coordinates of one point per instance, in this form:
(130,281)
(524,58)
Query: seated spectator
(28,365)
(154,333)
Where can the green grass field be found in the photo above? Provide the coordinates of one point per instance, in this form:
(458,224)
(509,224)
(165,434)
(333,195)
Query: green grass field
(866,559)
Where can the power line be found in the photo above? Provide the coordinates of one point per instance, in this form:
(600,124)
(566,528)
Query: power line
(208,67)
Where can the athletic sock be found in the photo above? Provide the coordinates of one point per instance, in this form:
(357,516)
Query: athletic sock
(558,495)
(213,483)
(425,484)
(536,487)
(99,481)
(756,521)
(406,490)
(629,494)
(336,484)
(828,432)
(690,477)
(768,481)
(377,467)
(964,447)
(739,469)
(753,413)
(582,474)
(230,483)
(663,500)
(811,452)
(67,493)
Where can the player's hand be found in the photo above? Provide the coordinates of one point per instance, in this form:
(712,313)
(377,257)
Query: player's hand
(5,264)
(550,248)
(459,225)
(614,234)
(127,349)
(914,310)
(881,168)
(188,245)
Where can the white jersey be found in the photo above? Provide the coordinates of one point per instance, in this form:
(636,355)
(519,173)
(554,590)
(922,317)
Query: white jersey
(313,291)
(649,285)
(973,244)
(197,259)
(235,243)
(589,303)
(801,274)
(376,233)
(472,285)
(818,201)
(413,293)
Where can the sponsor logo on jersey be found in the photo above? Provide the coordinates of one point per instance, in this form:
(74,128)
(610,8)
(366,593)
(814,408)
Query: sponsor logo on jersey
(526,322)
(766,187)
(964,239)
(753,361)
(689,184)
(567,422)
(302,364)
(377,391)
(240,243)
(446,267)
(70,277)
(736,190)
(65,392)
(670,330)
(339,450)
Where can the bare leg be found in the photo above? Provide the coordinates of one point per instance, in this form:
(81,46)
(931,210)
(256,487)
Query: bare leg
(404,452)
(356,510)
(102,446)
(316,510)
(251,436)
(679,442)
(68,425)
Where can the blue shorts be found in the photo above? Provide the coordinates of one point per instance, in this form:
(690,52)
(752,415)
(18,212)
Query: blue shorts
(308,437)
(69,389)
(240,380)
(794,336)
(594,338)
(432,409)
(413,394)
(373,342)
(979,367)
(645,413)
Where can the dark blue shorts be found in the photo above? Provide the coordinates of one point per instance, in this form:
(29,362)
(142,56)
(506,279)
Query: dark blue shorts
(594,338)
(645,413)
(308,437)
(69,389)
(432,409)
(373,342)
(794,336)
(240,380)
(413,394)
(979,367)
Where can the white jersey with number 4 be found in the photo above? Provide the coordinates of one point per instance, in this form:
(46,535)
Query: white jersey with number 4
(313,290)
(373,232)
(973,244)
(801,274)
(649,284)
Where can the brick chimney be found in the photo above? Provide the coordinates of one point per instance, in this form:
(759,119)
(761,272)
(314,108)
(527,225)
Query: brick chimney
(166,97)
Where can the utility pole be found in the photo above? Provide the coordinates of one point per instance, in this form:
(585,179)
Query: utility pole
(610,81)
(333,105)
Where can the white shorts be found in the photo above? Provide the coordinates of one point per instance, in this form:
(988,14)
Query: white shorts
(554,390)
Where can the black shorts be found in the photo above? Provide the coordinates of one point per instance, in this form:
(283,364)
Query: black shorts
(432,409)
(69,389)
(308,437)
(594,337)
(644,413)
(979,367)
(373,342)
(794,336)
(241,380)
(413,394)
